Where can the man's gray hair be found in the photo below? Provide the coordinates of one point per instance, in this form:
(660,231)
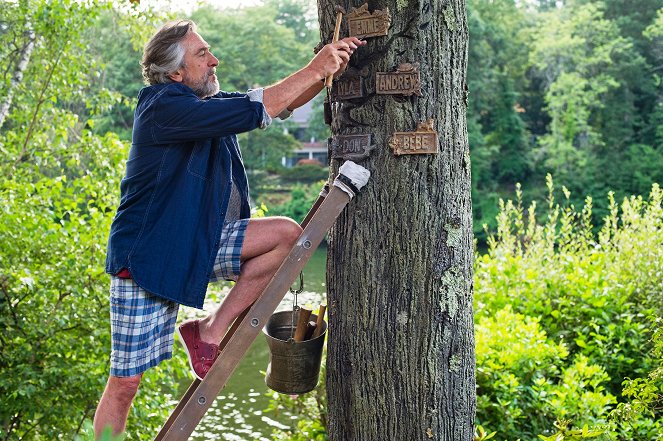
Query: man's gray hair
(164,53)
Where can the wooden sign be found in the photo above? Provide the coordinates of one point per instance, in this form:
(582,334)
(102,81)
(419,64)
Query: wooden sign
(364,24)
(405,81)
(349,87)
(351,147)
(421,141)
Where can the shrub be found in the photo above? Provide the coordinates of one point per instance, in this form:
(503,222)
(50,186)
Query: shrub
(302,198)
(525,380)
(54,308)
(305,173)
(592,293)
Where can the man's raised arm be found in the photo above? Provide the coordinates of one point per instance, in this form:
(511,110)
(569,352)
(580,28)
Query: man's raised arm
(300,87)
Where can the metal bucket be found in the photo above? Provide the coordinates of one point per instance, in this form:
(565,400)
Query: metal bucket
(294,367)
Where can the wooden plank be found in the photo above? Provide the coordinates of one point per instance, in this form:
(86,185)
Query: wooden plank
(238,341)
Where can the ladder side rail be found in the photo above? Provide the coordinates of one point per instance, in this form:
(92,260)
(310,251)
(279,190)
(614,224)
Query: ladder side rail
(196,382)
(248,329)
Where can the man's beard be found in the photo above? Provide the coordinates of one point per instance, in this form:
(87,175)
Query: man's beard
(205,86)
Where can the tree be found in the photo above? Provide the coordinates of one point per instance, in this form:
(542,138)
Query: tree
(59,186)
(401,349)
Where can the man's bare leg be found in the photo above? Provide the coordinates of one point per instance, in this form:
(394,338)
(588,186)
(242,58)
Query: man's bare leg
(113,408)
(267,242)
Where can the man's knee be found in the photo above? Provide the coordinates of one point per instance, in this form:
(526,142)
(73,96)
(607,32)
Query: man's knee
(289,230)
(123,389)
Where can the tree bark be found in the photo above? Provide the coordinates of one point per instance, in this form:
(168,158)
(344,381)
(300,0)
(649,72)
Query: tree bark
(400,362)
(17,76)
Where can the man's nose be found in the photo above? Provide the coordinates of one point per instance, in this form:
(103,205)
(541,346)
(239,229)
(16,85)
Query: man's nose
(213,61)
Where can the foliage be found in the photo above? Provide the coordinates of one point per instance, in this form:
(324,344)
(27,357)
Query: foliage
(594,293)
(524,379)
(262,150)
(575,52)
(302,198)
(644,396)
(106,435)
(590,293)
(480,434)
(59,184)
(305,173)
(566,433)
(570,88)
(316,128)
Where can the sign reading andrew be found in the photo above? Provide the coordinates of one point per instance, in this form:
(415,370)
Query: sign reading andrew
(405,81)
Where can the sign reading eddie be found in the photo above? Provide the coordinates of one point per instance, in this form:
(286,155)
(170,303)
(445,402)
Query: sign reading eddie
(364,24)
(405,81)
(422,140)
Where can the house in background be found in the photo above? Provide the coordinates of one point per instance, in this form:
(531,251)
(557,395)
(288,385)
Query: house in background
(311,150)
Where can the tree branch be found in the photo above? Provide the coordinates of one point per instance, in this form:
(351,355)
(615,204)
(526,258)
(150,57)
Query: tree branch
(17,77)
(3,285)
(10,427)
(24,153)
(88,408)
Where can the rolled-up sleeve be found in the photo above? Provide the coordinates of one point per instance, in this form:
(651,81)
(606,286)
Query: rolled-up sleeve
(256,95)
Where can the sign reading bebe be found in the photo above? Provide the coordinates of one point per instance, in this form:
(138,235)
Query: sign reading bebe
(422,140)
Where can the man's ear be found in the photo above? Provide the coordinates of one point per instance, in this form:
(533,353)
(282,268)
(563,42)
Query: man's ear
(176,76)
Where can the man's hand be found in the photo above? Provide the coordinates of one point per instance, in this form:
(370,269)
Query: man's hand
(303,85)
(333,58)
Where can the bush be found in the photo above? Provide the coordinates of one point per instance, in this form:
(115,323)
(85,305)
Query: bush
(526,381)
(592,293)
(302,198)
(305,173)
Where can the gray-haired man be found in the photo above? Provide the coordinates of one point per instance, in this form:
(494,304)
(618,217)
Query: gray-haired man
(183,215)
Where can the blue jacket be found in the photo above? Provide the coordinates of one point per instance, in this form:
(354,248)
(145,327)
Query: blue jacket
(175,192)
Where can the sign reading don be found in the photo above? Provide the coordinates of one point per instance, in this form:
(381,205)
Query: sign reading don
(421,141)
(351,147)
(405,81)
(363,24)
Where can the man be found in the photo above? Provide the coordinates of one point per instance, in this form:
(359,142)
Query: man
(183,214)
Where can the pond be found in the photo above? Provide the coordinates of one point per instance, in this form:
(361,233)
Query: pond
(238,413)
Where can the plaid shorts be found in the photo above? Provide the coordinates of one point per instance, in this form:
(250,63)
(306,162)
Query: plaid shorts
(227,264)
(143,324)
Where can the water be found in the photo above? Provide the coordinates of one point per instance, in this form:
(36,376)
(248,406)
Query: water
(239,412)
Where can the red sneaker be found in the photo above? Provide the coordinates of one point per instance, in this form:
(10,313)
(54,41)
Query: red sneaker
(201,354)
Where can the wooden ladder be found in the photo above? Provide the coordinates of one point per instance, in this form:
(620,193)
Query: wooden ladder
(200,395)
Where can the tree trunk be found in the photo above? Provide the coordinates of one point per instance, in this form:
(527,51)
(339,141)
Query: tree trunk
(400,362)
